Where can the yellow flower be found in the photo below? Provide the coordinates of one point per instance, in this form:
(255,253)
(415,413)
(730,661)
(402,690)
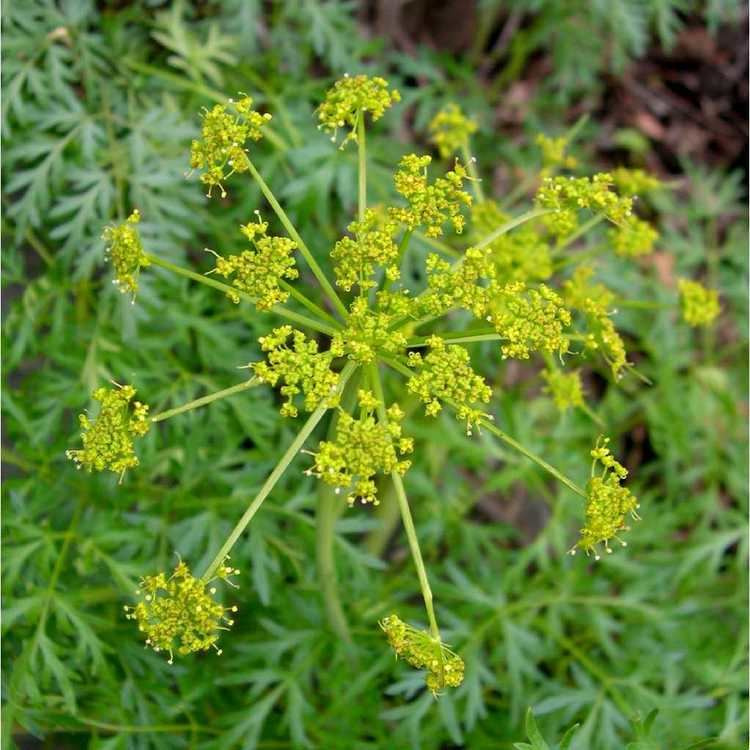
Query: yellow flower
(565,388)
(700,306)
(422,651)
(179,613)
(349,98)
(126,253)
(362,449)
(450,130)
(220,151)
(607,504)
(108,438)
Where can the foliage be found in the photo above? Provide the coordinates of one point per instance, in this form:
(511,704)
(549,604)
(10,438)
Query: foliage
(98,114)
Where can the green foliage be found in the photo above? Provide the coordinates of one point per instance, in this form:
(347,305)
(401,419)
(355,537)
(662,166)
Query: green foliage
(98,114)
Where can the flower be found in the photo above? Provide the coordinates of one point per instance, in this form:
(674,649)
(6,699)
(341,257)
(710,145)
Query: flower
(260,270)
(607,503)
(179,613)
(422,651)
(631,182)
(355,260)
(302,368)
(368,329)
(565,388)
(529,320)
(220,151)
(362,448)
(451,129)
(126,253)
(633,238)
(460,284)
(108,438)
(565,196)
(553,152)
(430,205)
(445,374)
(700,306)
(349,98)
(521,255)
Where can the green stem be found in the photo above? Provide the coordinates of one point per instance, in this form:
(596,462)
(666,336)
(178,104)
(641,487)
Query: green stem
(471,166)
(280,310)
(436,244)
(459,337)
(535,213)
(304,250)
(406,517)
(583,229)
(204,400)
(362,154)
(328,511)
(513,443)
(638,304)
(275,475)
(305,301)
(491,427)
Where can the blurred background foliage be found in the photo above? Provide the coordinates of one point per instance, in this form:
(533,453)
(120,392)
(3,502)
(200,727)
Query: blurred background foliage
(100,101)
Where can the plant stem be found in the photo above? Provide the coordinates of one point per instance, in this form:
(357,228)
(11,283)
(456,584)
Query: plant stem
(491,427)
(459,337)
(362,154)
(308,256)
(535,213)
(585,227)
(471,166)
(406,517)
(328,511)
(275,475)
(513,443)
(305,301)
(280,310)
(204,400)
(436,244)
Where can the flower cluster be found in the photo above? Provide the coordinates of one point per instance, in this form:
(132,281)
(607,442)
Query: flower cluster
(126,252)
(451,129)
(594,300)
(368,330)
(351,96)
(220,151)
(259,271)
(553,152)
(445,374)
(430,205)
(108,438)
(355,259)
(633,238)
(565,388)
(565,196)
(362,448)
(460,284)
(521,255)
(529,320)
(700,306)
(301,367)
(179,613)
(608,503)
(422,651)
(634,181)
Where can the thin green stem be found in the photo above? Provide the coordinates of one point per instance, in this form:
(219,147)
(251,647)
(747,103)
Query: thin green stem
(587,226)
(491,427)
(436,244)
(513,443)
(305,301)
(328,511)
(638,304)
(535,213)
(280,310)
(204,400)
(406,517)
(471,166)
(275,475)
(304,250)
(459,337)
(362,155)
